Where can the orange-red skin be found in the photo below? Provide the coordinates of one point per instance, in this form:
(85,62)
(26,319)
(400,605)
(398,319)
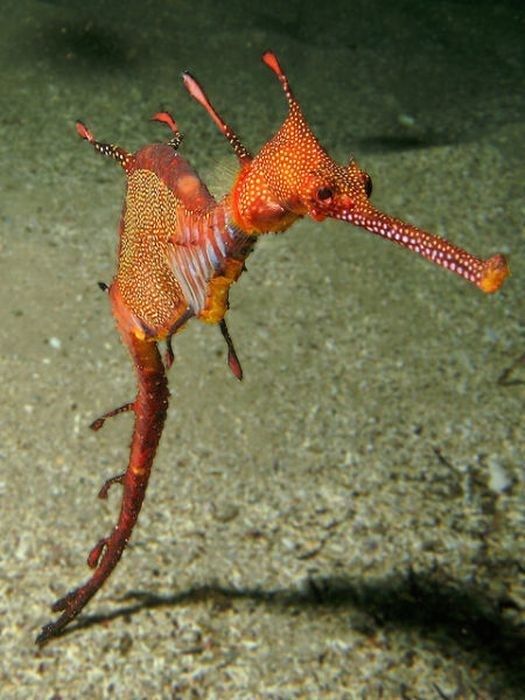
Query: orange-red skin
(180,251)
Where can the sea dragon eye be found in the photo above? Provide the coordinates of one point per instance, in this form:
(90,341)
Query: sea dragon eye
(324,194)
(368,184)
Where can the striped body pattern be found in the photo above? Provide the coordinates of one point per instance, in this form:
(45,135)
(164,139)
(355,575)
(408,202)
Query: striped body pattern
(208,257)
(180,251)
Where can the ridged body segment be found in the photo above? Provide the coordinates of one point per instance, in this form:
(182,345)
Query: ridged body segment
(207,256)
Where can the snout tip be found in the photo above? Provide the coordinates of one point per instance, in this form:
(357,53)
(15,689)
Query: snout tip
(495,271)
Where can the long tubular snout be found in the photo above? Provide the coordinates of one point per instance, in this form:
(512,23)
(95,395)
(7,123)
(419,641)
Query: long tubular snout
(487,274)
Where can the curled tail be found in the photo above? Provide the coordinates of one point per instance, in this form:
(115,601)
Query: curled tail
(150,407)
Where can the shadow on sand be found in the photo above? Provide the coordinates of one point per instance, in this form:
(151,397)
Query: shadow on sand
(455,617)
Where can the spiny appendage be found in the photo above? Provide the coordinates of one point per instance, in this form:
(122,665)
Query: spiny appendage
(166,118)
(106,149)
(169,357)
(198,94)
(150,407)
(271,60)
(117,479)
(487,274)
(99,422)
(233,360)
(96,425)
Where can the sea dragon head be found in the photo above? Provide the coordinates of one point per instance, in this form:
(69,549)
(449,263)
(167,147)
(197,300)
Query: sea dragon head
(293,176)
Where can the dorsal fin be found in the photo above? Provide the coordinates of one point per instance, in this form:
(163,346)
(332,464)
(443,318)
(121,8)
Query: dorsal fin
(106,149)
(271,60)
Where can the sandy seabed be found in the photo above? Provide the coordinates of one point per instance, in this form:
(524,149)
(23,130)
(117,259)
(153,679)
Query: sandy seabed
(349,521)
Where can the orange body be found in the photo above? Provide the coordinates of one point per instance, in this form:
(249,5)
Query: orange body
(180,251)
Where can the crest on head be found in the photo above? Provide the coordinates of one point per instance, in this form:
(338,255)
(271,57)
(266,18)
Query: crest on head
(292,175)
(299,170)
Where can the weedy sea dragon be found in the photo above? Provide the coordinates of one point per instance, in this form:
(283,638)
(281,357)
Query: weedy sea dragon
(180,251)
